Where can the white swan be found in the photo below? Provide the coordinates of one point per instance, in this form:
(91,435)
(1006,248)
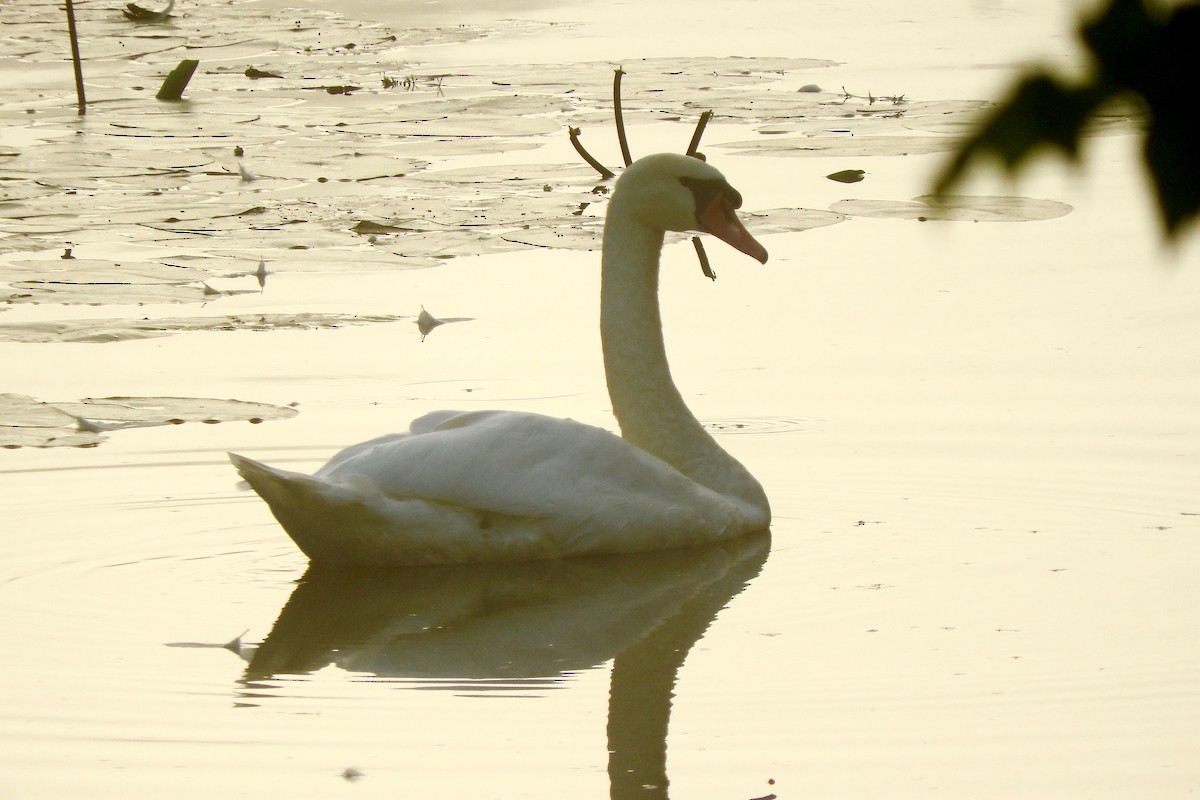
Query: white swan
(507,485)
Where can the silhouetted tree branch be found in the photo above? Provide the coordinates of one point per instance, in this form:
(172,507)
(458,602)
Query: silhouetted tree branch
(1145,54)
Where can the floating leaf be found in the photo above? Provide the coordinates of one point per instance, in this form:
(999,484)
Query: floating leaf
(847,175)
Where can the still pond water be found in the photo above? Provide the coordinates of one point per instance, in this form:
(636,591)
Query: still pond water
(979,436)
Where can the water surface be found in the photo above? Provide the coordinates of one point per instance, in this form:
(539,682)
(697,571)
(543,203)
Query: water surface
(979,439)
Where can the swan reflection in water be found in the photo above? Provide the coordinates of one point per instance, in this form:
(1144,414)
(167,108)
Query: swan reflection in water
(520,624)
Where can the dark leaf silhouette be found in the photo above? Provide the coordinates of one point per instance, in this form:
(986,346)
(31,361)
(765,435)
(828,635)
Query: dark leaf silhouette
(1147,59)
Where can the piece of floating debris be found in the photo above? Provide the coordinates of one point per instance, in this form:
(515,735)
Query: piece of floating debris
(255,74)
(136,13)
(847,175)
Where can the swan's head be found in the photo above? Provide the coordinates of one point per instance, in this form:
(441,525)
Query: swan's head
(681,193)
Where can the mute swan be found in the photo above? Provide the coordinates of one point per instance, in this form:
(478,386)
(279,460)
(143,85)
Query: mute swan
(506,485)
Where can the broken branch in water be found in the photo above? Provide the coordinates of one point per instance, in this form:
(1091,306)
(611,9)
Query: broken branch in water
(896,99)
(604,171)
(694,145)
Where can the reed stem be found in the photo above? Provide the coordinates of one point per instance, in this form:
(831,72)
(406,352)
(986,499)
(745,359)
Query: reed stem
(75,60)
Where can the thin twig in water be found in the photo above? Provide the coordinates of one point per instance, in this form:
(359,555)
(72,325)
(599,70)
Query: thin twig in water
(619,117)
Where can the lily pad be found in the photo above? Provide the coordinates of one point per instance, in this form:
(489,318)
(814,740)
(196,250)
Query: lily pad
(958,208)
(115,294)
(368,179)
(843,146)
(81,271)
(581,233)
(118,330)
(790,220)
(27,422)
(143,173)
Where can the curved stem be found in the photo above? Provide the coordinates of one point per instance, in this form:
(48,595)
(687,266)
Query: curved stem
(619,117)
(604,171)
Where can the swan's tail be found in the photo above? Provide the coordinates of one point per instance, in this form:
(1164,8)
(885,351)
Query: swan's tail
(351,523)
(301,503)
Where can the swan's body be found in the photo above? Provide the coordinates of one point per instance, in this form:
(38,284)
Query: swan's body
(504,485)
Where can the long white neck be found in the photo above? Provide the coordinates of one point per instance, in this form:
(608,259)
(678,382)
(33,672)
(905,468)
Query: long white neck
(645,401)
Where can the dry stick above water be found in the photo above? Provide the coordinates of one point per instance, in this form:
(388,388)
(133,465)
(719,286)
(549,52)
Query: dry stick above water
(75,61)
(693,150)
(619,117)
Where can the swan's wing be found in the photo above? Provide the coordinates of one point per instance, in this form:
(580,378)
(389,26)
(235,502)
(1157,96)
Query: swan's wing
(578,478)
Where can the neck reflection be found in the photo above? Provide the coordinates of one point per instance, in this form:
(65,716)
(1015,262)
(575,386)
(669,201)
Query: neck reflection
(522,625)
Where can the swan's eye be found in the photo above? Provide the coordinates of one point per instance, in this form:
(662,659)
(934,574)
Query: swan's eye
(734,196)
(705,190)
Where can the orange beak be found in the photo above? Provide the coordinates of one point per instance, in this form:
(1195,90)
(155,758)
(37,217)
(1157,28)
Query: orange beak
(719,219)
